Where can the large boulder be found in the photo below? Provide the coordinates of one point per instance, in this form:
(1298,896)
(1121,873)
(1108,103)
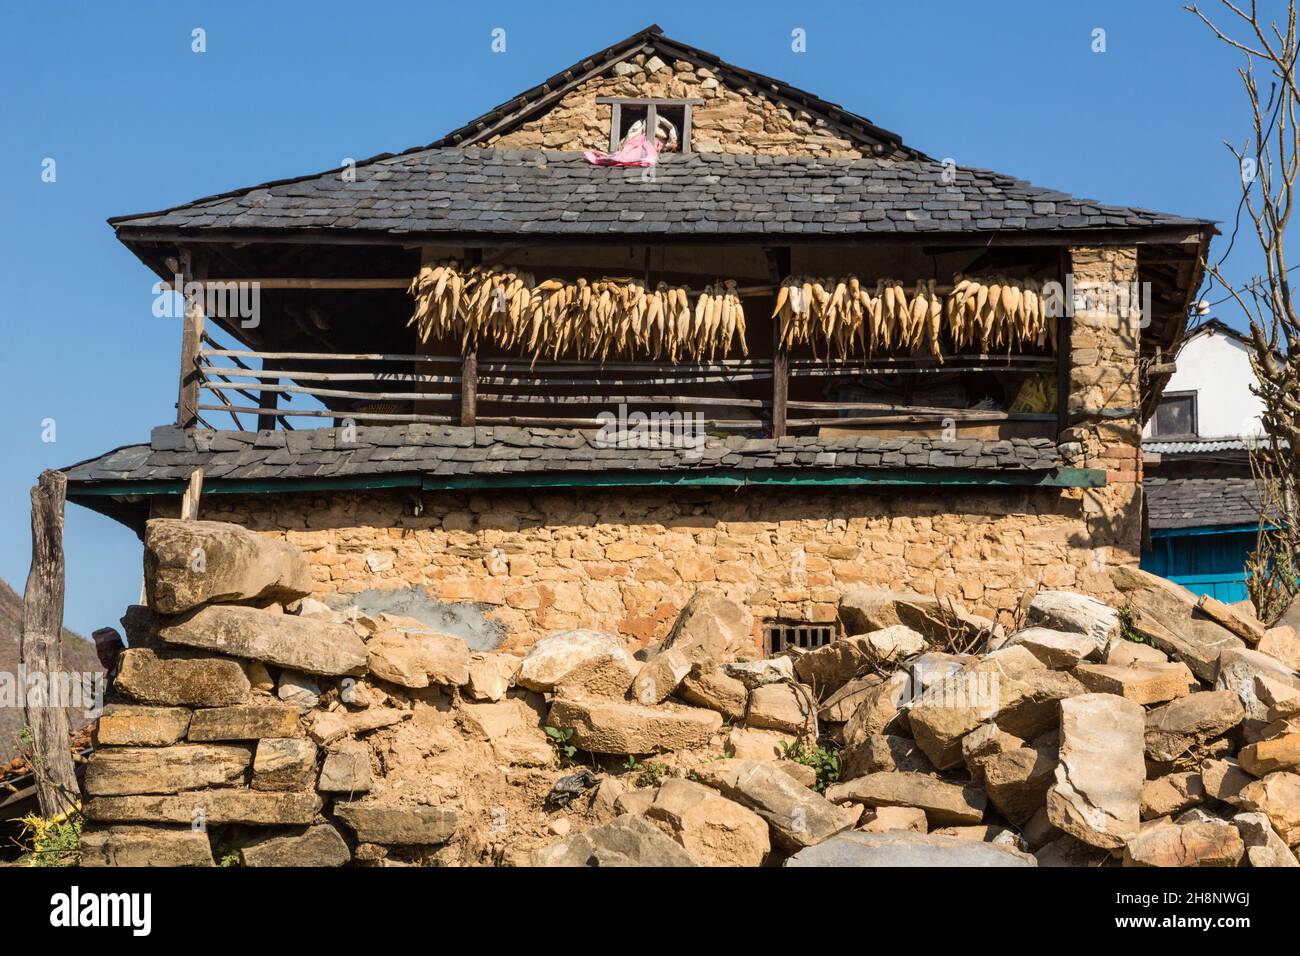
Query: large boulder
(581,661)
(607,726)
(346,769)
(1192,844)
(1175,728)
(1148,684)
(284,763)
(1238,668)
(329,726)
(1017,780)
(391,824)
(320,845)
(123,725)
(302,644)
(840,705)
(145,846)
(900,848)
(417,657)
(1172,793)
(1277,796)
(1060,650)
(661,675)
(188,563)
(1282,643)
(945,804)
(798,816)
(883,752)
(224,805)
(627,840)
(789,708)
(149,677)
(714,830)
(1269,756)
(1166,614)
(1264,848)
(878,709)
(147,770)
(513,729)
(1076,614)
(708,685)
(491,676)
(245,722)
(863,610)
(712,627)
(1097,797)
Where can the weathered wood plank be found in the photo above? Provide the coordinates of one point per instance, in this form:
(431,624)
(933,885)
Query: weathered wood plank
(41,650)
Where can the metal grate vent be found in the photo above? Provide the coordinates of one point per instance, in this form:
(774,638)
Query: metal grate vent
(780,635)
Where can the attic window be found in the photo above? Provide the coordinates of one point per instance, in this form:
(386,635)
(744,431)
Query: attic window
(780,635)
(626,113)
(1176,414)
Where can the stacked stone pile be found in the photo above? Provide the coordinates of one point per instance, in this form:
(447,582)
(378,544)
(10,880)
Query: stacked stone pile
(262,727)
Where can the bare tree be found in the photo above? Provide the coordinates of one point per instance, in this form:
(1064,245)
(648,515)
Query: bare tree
(1269,161)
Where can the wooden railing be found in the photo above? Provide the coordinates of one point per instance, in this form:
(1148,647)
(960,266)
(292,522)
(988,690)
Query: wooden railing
(390,388)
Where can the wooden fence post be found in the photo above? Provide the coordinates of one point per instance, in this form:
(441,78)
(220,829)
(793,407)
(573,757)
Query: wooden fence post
(780,265)
(41,651)
(469,365)
(187,398)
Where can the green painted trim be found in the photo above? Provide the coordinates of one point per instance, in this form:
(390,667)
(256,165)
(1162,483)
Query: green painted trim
(720,477)
(778,477)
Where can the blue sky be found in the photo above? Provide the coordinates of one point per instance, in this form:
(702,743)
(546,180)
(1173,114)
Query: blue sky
(136,121)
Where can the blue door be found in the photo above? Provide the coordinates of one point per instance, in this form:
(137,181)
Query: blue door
(1204,560)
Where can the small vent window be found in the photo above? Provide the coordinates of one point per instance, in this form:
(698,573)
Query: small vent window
(781,635)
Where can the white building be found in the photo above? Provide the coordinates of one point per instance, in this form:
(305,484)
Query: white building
(1202,507)
(1209,397)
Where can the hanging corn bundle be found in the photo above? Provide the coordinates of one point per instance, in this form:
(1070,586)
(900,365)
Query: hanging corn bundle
(844,318)
(607,317)
(992,313)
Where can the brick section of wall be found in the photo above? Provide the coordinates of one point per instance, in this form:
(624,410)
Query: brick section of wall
(729,121)
(1104,398)
(626,562)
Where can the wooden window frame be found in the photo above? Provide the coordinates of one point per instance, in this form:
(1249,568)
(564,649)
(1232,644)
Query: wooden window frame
(1194,395)
(616,104)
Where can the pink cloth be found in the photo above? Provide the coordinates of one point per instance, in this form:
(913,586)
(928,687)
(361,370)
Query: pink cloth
(635,151)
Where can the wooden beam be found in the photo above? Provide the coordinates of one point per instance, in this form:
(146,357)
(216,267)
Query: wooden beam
(187,394)
(1064,360)
(469,364)
(41,651)
(190,500)
(780,263)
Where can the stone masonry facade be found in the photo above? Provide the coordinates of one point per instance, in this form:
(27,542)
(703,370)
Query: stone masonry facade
(626,560)
(729,121)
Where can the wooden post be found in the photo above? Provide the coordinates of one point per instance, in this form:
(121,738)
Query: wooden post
(267,400)
(469,364)
(187,399)
(780,262)
(41,651)
(1064,359)
(469,388)
(190,499)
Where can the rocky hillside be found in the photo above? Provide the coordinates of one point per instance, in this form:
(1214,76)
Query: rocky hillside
(78,655)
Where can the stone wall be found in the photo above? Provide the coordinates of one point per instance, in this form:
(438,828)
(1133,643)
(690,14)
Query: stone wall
(1104,399)
(626,562)
(729,121)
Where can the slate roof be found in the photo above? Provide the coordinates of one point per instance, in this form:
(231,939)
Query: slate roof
(1200,502)
(488,191)
(464,451)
